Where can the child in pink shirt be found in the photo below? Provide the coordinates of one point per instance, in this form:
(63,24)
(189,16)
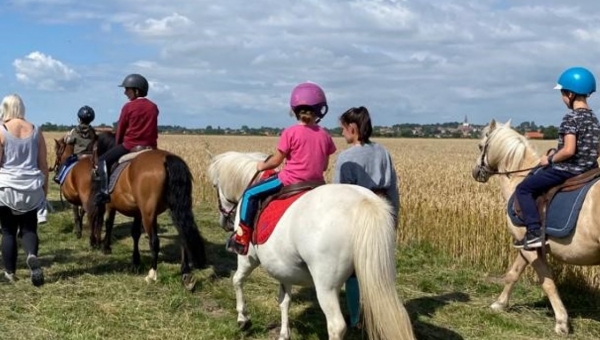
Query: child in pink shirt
(305,147)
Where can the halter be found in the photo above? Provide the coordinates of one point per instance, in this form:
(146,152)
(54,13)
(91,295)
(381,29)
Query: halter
(482,171)
(59,154)
(227,213)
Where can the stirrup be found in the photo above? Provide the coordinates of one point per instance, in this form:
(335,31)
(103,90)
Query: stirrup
(236,247)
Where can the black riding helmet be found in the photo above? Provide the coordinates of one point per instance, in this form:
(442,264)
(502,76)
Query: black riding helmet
(136,81)
(86,114)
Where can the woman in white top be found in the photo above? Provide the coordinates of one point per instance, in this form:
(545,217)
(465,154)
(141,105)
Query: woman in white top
(23,186)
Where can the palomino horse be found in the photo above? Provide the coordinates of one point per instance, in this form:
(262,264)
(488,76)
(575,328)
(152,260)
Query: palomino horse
(76,185)
(506,152)
(319,241)
(153,181)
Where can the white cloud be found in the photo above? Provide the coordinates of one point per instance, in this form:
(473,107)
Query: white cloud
(168,26)
(408,61)
(45,73)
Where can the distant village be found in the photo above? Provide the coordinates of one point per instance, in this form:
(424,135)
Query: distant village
(462,129)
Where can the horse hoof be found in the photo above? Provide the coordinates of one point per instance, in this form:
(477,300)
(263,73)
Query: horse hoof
(244,325)
(188,281)
(150,279)
(107,251)
(78,235)
(561,328)
(498,307)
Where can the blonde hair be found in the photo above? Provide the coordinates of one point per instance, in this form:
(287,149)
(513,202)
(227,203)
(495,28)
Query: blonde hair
(12,108)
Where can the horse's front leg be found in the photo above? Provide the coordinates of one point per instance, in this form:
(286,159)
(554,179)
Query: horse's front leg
(110,222)
(545,276)
(285,298)
(510,278)
(245,266)
(78,220)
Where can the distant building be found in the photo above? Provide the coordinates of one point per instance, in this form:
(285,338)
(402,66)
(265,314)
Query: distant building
(465,128)
(534,135)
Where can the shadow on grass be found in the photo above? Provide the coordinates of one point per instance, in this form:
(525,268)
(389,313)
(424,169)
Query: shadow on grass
(427,306)
(580,302)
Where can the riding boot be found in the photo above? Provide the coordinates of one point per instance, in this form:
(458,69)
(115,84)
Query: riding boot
(239,242)
(102,194)
(353,301)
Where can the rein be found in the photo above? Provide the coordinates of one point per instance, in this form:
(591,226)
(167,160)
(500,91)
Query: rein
(228,213)
(483,170)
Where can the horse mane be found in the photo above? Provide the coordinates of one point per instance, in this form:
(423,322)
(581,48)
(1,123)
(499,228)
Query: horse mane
(507,148)
(232,171)
(106,140)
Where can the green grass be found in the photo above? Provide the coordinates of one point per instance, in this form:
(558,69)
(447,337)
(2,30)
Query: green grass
(89,295)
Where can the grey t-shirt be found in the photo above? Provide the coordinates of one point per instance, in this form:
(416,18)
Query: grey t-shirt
(370,166)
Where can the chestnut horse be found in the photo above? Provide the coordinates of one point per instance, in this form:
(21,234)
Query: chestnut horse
(505,151)
(152,182)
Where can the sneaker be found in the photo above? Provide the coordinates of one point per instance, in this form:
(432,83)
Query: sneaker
(10,277)
(37,275)
(532,240)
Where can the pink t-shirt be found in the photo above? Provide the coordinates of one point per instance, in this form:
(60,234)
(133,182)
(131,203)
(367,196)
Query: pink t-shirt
(307,149)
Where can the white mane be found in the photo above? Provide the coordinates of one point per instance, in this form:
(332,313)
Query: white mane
(232,171)
(507,149)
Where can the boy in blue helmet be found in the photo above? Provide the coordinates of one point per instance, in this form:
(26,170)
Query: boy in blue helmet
(577,151)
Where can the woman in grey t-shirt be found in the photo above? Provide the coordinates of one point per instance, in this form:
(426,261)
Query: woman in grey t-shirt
(369,165)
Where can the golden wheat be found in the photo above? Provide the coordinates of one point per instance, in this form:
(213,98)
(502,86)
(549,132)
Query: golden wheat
(440,202)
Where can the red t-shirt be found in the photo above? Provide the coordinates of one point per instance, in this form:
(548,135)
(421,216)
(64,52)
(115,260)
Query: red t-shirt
(138,124)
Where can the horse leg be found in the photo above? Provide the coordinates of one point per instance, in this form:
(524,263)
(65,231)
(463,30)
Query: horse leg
(110,222)
(151,229)
(187,279)
(136,232)
(328,298)
(510,278)
(78,221)
(245,266)
(544,273)
(285,298)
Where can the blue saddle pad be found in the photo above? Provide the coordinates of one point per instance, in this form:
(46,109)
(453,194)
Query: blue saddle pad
(63,175)
(562,212)
(114,176)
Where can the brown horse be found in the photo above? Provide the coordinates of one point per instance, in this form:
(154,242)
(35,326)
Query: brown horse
(150,183)
(503,151)
(76,185)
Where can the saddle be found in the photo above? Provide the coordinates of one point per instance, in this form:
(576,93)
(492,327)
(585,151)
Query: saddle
(545,198)
(285,192)
(134,152)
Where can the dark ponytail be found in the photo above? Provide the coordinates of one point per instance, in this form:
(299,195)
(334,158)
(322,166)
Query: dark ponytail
(361,117)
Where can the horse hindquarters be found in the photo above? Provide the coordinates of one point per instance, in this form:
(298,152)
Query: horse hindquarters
(375,266)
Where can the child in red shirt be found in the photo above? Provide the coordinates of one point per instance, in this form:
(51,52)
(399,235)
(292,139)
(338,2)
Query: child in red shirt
(137,127)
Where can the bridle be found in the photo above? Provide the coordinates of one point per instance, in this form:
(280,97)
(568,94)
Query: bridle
(59,154)
(482,172)
(228,213)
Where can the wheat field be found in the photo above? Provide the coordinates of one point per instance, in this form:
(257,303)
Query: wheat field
(453,247)
(440,202)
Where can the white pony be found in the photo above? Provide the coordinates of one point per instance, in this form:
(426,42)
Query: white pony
(320,240)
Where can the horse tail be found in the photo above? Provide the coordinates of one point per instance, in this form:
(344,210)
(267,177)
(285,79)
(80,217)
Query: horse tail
(179,200)
(375,266)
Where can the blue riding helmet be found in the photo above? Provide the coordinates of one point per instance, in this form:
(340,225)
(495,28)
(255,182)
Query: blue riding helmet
(578,80)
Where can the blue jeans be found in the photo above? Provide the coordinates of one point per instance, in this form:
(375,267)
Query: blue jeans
(536,183)
(252,196)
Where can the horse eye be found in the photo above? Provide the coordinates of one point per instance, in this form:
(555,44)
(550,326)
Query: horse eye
(480,147)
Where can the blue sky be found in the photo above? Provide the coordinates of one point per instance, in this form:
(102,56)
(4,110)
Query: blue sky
(232,62)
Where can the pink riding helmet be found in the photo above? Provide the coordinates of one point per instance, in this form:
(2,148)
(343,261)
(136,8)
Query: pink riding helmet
(309,94)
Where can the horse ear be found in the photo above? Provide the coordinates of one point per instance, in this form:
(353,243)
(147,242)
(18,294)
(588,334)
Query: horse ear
(508,123)
(56,141)
(492,125)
